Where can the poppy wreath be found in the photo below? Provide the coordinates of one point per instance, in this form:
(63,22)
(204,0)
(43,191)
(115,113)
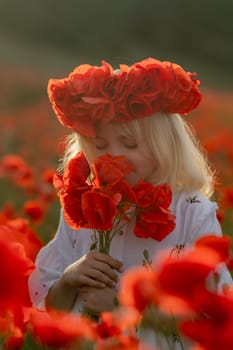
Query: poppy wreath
(99,94)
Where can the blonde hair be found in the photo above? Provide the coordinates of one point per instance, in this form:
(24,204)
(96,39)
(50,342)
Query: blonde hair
(179,157)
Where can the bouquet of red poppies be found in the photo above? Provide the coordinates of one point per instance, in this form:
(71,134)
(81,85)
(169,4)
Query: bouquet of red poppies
(101,198)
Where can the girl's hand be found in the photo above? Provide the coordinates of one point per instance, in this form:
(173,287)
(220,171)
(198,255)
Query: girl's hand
(94,270)
(96,300)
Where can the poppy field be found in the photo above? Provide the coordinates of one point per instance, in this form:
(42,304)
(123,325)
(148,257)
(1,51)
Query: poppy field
(31,145)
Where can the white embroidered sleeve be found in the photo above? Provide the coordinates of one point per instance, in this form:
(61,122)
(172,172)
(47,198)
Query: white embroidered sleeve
(50,264)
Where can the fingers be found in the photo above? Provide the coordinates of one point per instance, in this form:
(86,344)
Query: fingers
(95,278)
(104,274)
(104,268)
(113,263)
(98,300)
(91,282)
(93,269)
(98,267)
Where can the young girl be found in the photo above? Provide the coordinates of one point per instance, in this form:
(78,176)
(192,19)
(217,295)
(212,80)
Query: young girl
(135,112)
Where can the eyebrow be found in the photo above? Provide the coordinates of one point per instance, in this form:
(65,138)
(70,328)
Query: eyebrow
(128,137)
(121,137)
(99,138)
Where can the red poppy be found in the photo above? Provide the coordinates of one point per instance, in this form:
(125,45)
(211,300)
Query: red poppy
(74,176)
(76,172)
(18,230)
(98,209)
(139,288)
(174,275)
(220,216)
(34,210)
(221,245)
(13,291)
(115,86)
(108,170)
(116,322)
(47,175)
(226,200)
(58,329)
(148,226)
(122,342)
(155,219)
(71,186)
(45,187)
(58,182)
(212,326)
(11,335)
(71,96)
(16,168)
(124,198)
(73,214)
(114,326)
(7,212)
(107,327)
(144,194)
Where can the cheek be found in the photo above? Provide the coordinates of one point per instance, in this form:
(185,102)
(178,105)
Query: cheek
(144,166)
(90,156)
(137,163)
(91,153)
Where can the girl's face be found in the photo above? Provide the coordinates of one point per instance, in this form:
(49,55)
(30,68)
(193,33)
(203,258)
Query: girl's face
(111,139)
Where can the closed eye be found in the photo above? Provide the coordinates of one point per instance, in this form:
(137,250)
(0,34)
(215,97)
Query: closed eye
(129,142)
(100,146)
(131,146)
(100,143)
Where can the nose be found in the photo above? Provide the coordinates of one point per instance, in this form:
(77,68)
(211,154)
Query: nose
(115,150)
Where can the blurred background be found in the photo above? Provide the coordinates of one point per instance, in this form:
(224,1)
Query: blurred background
(53,36)
(40,39)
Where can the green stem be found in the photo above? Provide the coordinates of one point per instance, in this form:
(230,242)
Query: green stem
(104,241)
(101,241)
(107,242)
(105,237)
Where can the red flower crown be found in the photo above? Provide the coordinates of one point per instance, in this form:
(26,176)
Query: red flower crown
(92,94)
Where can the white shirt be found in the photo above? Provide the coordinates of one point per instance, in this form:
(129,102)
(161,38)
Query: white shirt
(195,217)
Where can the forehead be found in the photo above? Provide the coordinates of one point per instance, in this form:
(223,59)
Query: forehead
(130,129)
(111,128)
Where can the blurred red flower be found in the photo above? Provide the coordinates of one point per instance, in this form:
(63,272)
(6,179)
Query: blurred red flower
(18,230)
(122,342)
(213,322)
(47,175)
(11,335)
(116,322)
(221,245)
(139,288)
(116,330)
(14,275)
(34,209)
(58,329)
(14,167)
(174,276)
(7,212)
(226,198)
